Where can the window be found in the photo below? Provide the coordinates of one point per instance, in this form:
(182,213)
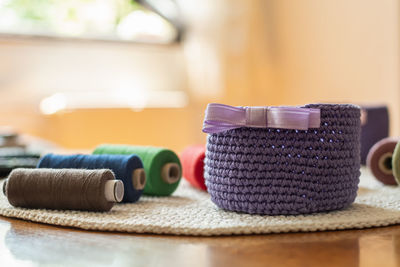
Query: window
(122,20)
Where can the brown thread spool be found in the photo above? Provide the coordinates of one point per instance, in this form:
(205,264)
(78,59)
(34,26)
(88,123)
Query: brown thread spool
(91,190)
(379,160)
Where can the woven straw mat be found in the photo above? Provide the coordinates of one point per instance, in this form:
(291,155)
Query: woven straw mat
(190,212)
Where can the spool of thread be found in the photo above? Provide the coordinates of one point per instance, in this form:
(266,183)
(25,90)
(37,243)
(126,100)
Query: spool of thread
(379,160)
(374,127)
(396,163)
(72,189)
(128,169)
(192,159)
(162,166)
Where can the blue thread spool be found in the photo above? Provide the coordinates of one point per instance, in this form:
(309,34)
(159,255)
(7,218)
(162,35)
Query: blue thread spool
(128,168)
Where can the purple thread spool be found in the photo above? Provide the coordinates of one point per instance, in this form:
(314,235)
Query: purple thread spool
(374,127)
(281,172)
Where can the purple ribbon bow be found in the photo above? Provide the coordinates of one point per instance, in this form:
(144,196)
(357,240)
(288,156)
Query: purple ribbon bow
(221,118)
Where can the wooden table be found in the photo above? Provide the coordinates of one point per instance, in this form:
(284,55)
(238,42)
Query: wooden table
(25,243)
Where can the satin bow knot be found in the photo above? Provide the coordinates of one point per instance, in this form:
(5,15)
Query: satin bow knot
(221,118)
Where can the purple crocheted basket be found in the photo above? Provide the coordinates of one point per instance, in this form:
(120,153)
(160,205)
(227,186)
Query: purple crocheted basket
(277,171)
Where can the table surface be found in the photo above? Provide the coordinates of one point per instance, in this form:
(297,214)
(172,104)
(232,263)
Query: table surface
(25,243)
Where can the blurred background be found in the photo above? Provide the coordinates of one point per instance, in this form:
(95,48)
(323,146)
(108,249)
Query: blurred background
(83,72)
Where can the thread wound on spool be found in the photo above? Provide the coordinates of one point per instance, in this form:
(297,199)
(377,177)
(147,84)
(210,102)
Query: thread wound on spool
(379,160)
(396,163)
(374,127)
(154,159)
(192,158)
(59,189)
(122,166)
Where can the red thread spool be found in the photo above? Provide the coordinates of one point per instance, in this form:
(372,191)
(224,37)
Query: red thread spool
(192,159)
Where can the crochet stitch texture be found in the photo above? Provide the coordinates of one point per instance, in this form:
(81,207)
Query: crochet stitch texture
(287,172)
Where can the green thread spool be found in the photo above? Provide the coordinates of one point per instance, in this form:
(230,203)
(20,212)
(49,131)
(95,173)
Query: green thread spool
(162,166)
(396,163)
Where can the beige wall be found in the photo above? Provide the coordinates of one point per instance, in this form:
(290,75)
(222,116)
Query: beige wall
(238,52)
(339,51)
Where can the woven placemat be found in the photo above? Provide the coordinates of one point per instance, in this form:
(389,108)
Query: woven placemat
(190,212)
